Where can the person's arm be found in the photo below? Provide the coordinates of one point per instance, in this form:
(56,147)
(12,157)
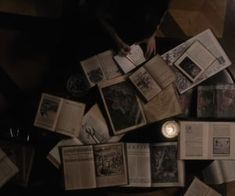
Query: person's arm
(122,47)
(154,23)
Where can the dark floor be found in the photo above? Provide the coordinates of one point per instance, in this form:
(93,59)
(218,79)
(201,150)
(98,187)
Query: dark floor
(40,54)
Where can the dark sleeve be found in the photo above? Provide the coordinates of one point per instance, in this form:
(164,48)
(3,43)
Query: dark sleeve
(154,14)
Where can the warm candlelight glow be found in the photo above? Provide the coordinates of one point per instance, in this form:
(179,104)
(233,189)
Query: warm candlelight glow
(170,129)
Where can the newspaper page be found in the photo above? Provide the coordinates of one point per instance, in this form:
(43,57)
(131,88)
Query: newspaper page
(93,70)
(166,170)
(94,128)
(48,112)
(139,170)
(197,187)
(211,43)
(109,67)
(70,118)
(110,165)
(219,172)
(194,140)
(54,155)
(78,167)
(7,168)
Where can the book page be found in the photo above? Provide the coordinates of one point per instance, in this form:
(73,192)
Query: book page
(145,83)
(48,112)
(222,140)
(109,67)
(166,170)
(110,165)
(54,155)
(160,71)
(136,55)
(124,63)
(78,167)
(164,105)
(200,54)
(197,187)
(194,138)
(7,168)
(70,118)
(139,170)
(93,70)
(219,172)
(94,129)
(122,105)
(211,43)
(195,60)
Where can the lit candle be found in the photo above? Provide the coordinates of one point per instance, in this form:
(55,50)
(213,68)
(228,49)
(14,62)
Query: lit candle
(170,129)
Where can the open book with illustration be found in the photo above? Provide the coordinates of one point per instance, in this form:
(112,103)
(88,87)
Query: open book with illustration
(194,61)
(154,165)
(200,140)
(216,101)
(152,77)
(210,42)
(100,67)
(59,115)
(100,165)
(131,60)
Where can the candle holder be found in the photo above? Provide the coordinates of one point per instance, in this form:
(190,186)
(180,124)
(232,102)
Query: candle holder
(170,129)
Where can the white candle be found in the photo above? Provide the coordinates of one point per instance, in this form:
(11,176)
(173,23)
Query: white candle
(170,129)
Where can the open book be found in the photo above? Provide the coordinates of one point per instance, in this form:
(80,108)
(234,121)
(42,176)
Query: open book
(164,105)
(207,140)
(154,165)
(210,42)
(122,105)
(7,167)
(100,67)
(152,77)
(94,128)
(216,101)
(60,115)
(131,60)
(94,166)
(198,187)
(194,61)
(219,172)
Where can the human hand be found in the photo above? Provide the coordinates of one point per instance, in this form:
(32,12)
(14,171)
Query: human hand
(150,46)
(123,48)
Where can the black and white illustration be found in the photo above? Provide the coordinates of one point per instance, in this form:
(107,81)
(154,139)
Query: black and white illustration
(190,68)
(164,167)
(123,107)
(221,145)
(109,160)
(145,83)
